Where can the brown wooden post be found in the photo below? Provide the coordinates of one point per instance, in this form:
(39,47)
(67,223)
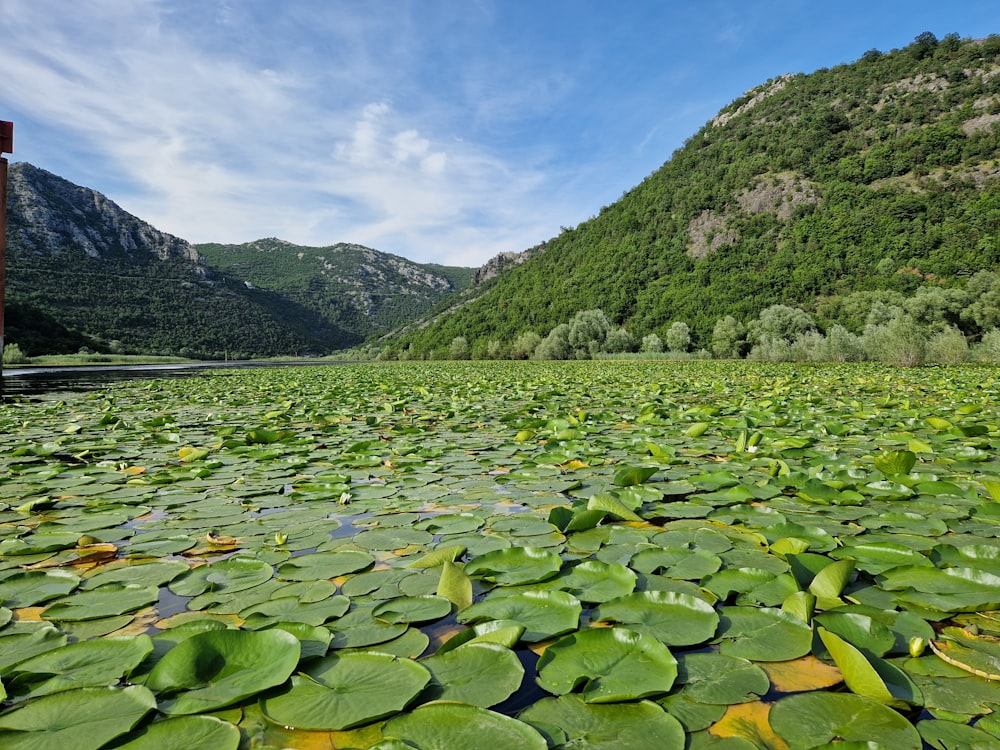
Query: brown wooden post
(6,146)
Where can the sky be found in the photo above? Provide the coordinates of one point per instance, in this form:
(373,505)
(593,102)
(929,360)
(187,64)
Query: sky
(444,131)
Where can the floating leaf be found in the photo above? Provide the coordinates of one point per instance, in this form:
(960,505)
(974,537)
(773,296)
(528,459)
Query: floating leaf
(448,726)
(763,634)
(719,679)
(233,574)
(893,463)
(219,667)
(96,663)
(82,719)
(407,609)
(544,614)
(611,665)
(675,619)
(591,726)
(113,599)
(342,691)
(324,565)
(833,716)
(750,722)
(186,733)
(483,674)
(515,565)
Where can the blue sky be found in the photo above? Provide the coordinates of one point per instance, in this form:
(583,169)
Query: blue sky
(440,130)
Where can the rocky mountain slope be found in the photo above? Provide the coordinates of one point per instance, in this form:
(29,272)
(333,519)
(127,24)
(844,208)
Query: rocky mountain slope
(83,272)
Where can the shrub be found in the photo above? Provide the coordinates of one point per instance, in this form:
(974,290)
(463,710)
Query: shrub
(12,355)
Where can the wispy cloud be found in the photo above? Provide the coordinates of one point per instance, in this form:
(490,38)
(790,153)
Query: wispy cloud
(219,149)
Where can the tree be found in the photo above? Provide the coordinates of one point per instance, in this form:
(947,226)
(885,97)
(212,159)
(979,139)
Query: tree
(678,337)
(524,345)
(459,348)
(556,345)
(588,330)
(728,338)
(779,323)
(900,341)
(948,347)
(619,340)
(652,344)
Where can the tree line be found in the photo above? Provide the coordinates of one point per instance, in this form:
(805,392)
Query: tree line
(937,323)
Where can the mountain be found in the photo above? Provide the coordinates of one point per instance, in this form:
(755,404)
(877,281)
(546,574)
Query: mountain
(880,174)
(81,271)
(367,291)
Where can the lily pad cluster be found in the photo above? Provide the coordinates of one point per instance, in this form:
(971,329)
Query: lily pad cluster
(527,555)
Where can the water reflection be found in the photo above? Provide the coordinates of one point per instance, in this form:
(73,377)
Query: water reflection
(35,381)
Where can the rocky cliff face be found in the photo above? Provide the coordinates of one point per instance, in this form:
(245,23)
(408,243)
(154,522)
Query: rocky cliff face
(52,216)
(500,263)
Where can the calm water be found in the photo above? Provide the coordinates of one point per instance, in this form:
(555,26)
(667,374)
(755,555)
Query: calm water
(33,381)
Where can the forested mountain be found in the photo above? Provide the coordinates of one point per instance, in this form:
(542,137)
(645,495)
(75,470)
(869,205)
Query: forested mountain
(881,174)
(83,272)
(366,290)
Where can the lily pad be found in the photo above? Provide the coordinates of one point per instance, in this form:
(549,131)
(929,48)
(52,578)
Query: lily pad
(763,634)
(82,719)
(232,574)
(515,565)
(186,733)
(610,664)
(342,691)
(95,663)
(483,674)
(718,679)
(544,614)
(447,726)
(219,667)
(675,619)
(843,716)
(569,722)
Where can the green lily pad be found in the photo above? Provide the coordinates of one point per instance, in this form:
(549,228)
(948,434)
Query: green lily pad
(293,609)
(840,716)
(17,647)
(360,628)
(407,609)
(32,587)
(106,601)
(82,719)
(594,581)
(447,726)
(483,674)
(219,667)
(569,722)
(95,663)
(502,632)
(324,565)
(342,691)
(515,566)
(763,634)
(676,562)
(611,665)
(719,679)
(673,618)
(186,733)
(544,614)
(233,574)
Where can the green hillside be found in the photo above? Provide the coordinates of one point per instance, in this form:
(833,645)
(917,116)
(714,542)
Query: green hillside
(363,290)
(876,175)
